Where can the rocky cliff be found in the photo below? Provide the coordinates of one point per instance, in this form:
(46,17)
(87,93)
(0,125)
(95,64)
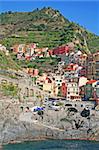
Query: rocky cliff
(18,125)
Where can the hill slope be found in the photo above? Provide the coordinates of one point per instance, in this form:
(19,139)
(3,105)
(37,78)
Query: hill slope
(7,63)
(47,27)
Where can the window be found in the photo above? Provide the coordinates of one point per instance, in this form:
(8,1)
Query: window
(68,92)
(20,48)
(74,89)
(97,62)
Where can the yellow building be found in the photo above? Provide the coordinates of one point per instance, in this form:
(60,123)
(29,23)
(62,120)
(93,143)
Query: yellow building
(51,88)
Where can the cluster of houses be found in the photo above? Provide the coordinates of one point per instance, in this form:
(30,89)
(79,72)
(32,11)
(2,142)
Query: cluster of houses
(30,51)
(76,77)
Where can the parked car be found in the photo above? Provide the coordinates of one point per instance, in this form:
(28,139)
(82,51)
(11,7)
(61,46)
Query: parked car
(36,108)
(68,104)
(97,108)
(72,109)
(53,107)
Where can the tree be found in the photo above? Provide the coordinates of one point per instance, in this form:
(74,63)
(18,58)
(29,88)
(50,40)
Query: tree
(40,72)
(37,9)
(9,12)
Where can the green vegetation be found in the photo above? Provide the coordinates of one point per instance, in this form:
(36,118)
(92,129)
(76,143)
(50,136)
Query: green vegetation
(6,62)
(43,64)
(59,104)
(9,89)
(59,93)
(94,44)
(47,27)
(8,66)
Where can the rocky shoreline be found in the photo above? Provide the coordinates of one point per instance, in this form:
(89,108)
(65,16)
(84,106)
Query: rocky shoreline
(17,126)
(43,139)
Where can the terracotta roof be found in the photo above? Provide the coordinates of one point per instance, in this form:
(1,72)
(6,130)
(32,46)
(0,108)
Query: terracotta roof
(69,69)
(49,80)
(91,81)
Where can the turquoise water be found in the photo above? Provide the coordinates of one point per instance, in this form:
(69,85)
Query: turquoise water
(54,145)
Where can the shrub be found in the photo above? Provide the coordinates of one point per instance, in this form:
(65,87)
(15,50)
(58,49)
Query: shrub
(9,89)
(40,112)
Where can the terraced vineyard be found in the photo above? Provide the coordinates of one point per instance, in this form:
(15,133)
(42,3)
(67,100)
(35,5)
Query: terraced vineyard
(47,27)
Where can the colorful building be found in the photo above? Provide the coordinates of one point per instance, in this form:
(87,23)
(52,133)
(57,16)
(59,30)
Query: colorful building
(82,82)
(96,91)
(63,90)
(58,80)
(2,48)
(19,48)
(73,91)
(51,88)
(93,66)
(61,50)
(89,90)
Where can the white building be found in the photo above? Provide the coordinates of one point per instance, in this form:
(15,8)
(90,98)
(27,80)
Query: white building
(58,80)
(73,91)
(2,48)
(96,88)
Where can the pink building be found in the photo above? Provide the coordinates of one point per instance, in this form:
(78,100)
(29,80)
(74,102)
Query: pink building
(35,72)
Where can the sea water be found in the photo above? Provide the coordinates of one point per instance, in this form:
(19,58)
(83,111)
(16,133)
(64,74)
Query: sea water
(54,145)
